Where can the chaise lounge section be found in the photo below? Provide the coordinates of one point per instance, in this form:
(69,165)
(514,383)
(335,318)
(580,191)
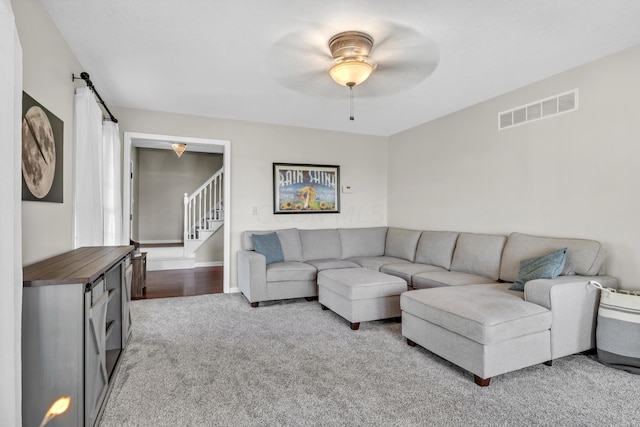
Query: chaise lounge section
(488,329)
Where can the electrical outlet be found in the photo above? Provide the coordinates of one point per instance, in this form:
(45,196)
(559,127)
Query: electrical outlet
(347,189)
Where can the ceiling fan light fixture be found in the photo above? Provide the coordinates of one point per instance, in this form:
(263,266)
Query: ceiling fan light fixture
(350,50)
(351,72)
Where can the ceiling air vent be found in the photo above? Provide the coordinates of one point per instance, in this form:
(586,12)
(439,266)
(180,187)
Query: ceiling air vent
(541,109)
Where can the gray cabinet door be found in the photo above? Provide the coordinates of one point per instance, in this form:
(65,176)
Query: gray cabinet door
(96,378)
(126,299)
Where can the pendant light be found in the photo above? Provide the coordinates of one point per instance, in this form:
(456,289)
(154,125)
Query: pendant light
(179,148)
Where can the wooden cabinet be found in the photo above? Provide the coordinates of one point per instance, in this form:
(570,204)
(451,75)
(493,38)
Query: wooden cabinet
(75,325)
(139,262)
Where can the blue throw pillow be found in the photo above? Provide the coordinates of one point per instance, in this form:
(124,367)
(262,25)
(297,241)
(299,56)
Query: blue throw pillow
(269,246)
(545,267)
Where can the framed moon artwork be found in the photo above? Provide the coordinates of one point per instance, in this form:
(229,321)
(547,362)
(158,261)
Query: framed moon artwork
(42,146)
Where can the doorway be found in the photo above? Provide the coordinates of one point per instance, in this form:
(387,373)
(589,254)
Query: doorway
(134,140)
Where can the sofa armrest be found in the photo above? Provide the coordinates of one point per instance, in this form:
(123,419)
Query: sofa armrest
(252,275)
(541,291)
(574,307)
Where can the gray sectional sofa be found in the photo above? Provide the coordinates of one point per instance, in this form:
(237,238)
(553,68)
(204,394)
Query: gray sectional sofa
(458,304)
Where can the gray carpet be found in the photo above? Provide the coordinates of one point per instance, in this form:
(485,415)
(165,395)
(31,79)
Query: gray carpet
(212,360)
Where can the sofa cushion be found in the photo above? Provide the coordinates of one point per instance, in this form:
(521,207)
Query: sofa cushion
(362,241)
(487,314)
(289,240)
(291,244)
(436,248)
(584,257)
(331,264)
(269,246)
(290,271)
(320,244)
(478,254)
(436,279)
(401,243)
(376,262)
(547,266)
(406,270)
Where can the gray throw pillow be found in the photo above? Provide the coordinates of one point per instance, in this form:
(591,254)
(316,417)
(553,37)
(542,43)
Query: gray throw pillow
(544,267)
(269,246)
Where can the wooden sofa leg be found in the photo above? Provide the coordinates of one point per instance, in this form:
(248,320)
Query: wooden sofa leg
(355,326)
(482,382)
(255,304)
(411,343)
(549,363)
(322,306)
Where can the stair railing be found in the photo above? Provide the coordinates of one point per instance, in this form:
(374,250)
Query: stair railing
(205,204)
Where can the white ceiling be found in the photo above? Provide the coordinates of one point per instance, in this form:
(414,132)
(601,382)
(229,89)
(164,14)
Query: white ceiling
(266,60)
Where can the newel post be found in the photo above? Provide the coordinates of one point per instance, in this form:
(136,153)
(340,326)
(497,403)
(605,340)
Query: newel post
(186,217)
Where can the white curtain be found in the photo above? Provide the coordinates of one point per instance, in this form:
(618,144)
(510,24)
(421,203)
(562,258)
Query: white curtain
(97,196)
(10,219)
(112,205)
(88,165)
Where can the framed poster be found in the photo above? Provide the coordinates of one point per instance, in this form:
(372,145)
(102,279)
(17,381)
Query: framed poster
(300,188)
(41,152)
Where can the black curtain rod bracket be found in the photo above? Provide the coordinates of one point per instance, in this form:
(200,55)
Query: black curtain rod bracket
(85,76)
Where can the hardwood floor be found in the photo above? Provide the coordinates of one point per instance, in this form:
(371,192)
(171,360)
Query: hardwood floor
(177,283)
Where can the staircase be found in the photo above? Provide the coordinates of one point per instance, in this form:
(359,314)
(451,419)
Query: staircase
(203,213)
(203,217)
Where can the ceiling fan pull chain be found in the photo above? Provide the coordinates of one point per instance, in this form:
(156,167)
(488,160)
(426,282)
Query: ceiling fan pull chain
(351,102)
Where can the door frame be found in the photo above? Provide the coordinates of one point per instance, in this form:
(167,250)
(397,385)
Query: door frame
(138,139)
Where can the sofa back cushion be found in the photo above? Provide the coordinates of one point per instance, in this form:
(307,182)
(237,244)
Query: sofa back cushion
(584,257)
(479,254)
(359,242)
(320,244)
(289,240)
(402,243)
(436,248)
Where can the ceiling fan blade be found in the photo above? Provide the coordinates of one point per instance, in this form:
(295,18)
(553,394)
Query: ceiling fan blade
(389,79)
(404,58)
(300,61)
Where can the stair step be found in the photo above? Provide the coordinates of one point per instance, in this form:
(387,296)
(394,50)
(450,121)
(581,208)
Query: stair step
(170,263)
(165,252)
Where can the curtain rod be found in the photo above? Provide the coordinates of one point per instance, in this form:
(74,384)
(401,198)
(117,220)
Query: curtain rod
(85,76)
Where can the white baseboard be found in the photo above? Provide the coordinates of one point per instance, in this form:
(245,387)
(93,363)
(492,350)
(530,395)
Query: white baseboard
(234,290)
(159,242)
(210,264)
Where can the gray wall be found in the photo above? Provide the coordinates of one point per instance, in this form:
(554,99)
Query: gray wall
(47,228)
(162,178)
(574,175)
(253,149)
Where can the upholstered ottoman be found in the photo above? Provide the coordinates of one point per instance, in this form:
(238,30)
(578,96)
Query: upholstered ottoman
(360,294)
(485,329)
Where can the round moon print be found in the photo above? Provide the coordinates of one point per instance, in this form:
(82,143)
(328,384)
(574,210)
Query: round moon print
(38,152)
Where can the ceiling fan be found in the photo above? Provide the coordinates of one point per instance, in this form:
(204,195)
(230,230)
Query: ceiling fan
(382,60)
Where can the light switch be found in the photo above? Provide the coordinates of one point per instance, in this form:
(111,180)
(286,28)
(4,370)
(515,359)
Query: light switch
(347,189)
